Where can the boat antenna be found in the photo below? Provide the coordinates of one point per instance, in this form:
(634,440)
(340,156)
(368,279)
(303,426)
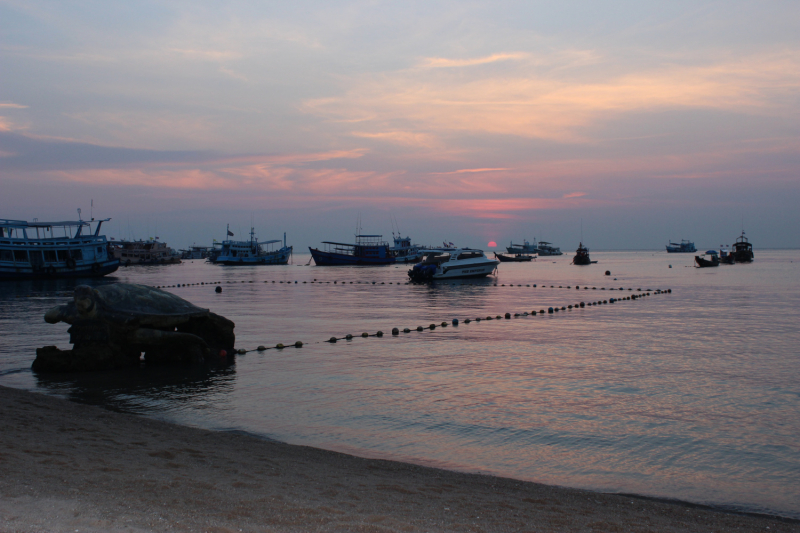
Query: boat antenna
(79,214)
(91,209)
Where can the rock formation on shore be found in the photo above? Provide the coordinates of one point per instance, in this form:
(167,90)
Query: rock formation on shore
(111,325)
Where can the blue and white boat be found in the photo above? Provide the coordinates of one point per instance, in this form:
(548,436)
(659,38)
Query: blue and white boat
(683,247)
(524,248)
(368,250)
(67,249)
(252,252)
(404,251)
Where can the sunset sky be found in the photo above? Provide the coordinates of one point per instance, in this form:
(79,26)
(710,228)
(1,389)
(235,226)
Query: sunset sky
(465,121)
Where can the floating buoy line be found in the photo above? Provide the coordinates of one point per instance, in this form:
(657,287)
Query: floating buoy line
(455,321)
(552,310)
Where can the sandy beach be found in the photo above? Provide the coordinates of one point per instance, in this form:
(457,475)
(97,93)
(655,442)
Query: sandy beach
(71,467)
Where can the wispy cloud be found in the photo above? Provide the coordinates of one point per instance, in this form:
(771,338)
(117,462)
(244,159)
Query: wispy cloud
(441,62)
(11,105)
(471,171)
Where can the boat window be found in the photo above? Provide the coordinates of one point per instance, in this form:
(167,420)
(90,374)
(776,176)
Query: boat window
(77,255)
(62,255)
(50,256)
(469,255)
(20,256)
(6,255)
(100,250)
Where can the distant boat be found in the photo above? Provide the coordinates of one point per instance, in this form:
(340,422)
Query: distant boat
(150,252)
(545,249)
(519,258)
(252,252)
(742,250)
(709,259)
(32,250)
(684,247)
(196,252)
(367,250)
(582,256)
(404,251)
(449,263)
(524,248)
(725,255)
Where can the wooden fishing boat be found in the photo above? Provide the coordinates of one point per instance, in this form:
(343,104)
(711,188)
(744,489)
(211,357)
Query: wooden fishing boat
(518,258)
(709,259)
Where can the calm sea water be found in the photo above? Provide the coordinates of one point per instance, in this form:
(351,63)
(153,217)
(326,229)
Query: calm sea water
(693,395)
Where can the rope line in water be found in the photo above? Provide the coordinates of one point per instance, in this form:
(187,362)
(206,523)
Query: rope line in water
(455,321)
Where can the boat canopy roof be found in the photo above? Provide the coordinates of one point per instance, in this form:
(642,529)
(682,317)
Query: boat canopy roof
(64,223)
(712,252)
(448,250)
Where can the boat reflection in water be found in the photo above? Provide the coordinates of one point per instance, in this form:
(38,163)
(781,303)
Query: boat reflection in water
(145,390)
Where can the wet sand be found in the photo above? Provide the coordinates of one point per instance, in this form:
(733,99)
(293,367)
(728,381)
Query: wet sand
(71,467)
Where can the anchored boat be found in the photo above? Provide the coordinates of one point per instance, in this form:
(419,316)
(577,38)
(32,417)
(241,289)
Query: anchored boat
(252,252)
(449,263)
(582,256)
(742,250)
(524,248)
(404,251)
(31,250)
(708,259)
(684,247)
(519,258)
(151,252)
(368,250)
(546,249)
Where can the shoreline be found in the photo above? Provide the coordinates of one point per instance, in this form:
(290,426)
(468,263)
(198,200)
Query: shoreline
(68,466)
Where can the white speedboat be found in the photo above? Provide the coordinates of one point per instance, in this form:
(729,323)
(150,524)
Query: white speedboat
(450,263)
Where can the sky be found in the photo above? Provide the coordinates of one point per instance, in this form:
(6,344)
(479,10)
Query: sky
(626,124)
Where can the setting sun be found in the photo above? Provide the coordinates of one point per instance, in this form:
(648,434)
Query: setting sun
(492,244)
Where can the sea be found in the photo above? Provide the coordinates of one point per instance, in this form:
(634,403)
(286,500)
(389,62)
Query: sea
(691,395)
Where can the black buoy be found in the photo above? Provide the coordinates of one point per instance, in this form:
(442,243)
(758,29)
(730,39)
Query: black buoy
(332,340)
(455,321)
(395,331)
(420,328)
(608,272)
(379,333)
(550,310)
(406,330)
(348,336)
(218,289)
(508,315)
(432,326)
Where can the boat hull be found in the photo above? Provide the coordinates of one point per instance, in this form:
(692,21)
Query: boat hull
(479,270)
(93,270)
(704,263)
(276,258)
(513,259)
(322,258)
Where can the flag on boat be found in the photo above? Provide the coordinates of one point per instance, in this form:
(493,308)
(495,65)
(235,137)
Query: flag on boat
(451,244)
(230,233)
